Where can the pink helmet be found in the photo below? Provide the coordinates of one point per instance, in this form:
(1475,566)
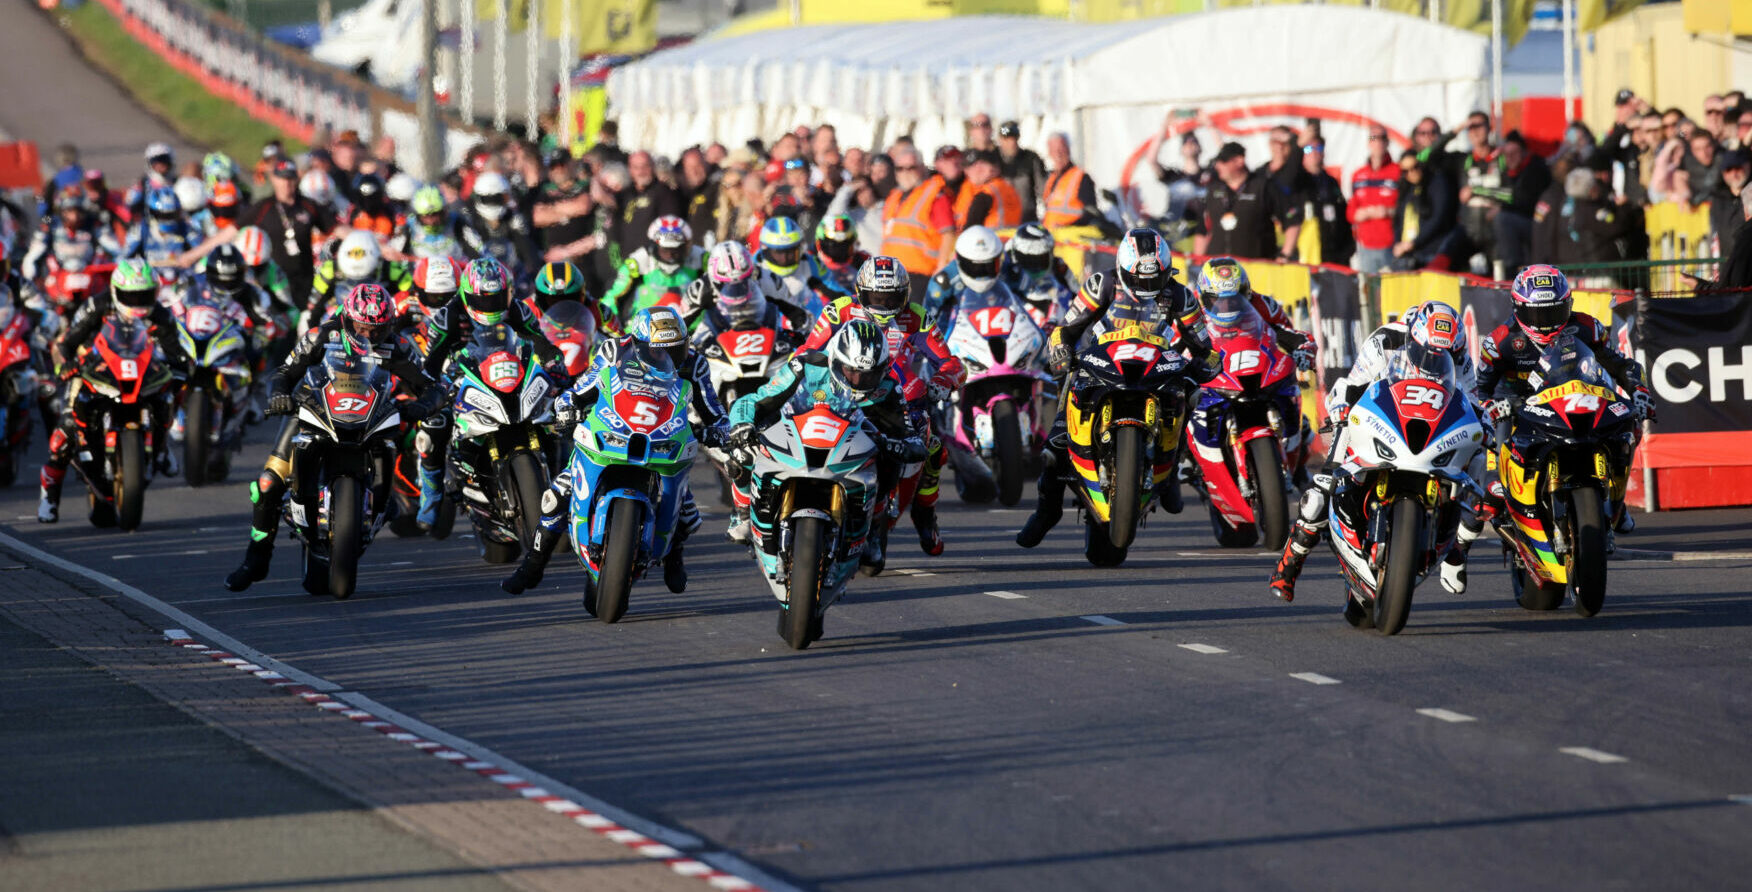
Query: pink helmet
(730,267)
(369,313)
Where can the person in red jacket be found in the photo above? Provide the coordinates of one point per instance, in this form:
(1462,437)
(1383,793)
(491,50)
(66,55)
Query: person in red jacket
(1374,195)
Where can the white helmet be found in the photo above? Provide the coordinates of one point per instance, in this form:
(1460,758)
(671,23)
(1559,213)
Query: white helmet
(857,357)
(318,187)
(358,257)
(489,195)
(191,193)
(977,252)
(401,187)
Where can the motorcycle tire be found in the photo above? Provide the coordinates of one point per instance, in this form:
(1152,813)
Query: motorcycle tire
(1122,515)
(197,435)
(809,561)
(316,572)
(530,483)
(346,534)
(1098,546)
(1405,556)
(626,523)
(1007,453)
(1588,547)
(1243,536)
(130,482)
(1271,505)
(445,521)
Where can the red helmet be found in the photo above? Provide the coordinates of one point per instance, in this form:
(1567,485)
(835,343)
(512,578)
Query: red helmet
(1542,301)
(368,314)
(435,280)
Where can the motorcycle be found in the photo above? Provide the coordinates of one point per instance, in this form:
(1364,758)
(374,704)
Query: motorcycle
(341,469)
(71,282)
(18,389)
(114,449)
(1123,420)
(630,460)
(501,398)
(570,326)
(993,418)
(216,396)
(1398,504)
(1556,467)
(740,360)
(814,482)
(1246,433)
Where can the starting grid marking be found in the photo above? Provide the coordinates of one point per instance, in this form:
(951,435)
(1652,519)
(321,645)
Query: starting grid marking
(1592,755)
(1314,678)
(1446,715)
(677,860)
(1100,620)
(1203,648)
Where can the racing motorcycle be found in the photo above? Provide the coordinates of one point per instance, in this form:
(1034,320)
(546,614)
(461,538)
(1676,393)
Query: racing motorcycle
(814,483)
(18,389)
(341,471)
(216,396)
(630,460)
(71,281)
(502,397)
(114,451)
(1399,500)
(740,360)
(1247,432)
(993,418)
(1556,469)
(1127,399)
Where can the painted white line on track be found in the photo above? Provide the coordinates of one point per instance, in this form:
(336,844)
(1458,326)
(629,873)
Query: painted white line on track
(1314,678)
(126,557)
(1741,798)
(1591,754)
(1008,596)
(1100,620)
(1446,715)
(1203,648)
(183,618)
(908,571)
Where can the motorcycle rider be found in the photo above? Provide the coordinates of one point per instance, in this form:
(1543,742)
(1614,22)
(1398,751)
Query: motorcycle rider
(191,194)
(164,233)
(1037,275)
(884,297)
(133,299)
(657,336)
(252,243)
(856,363)
(364,326)
(371,210)
(427,230)
(1432,325)
(431,287)
(730,277)
(561,282)
(666,266)
(160,171)
(1140,290)
(784,271)
(356,261)
(490,227)
(1543,311)
(72,237)
(227,277)
(837,255)
(978,254)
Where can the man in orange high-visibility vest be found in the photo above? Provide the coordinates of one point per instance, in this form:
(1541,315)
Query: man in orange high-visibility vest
(1070,193)
(992,201)
(918,222)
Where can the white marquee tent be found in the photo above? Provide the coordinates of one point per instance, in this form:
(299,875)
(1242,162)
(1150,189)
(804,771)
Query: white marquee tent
(1108,85)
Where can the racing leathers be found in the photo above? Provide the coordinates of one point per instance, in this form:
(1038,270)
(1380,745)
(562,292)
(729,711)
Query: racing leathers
(909,336)
(643,282)
(415,239)
(70,248)
(161,242)
(267,492)
(86,323)
(1047,293)
(572,406)
(699,297)
(507,241)
(801,285)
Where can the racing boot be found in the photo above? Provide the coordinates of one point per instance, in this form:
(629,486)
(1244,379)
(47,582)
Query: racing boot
(1310,524)
(1049,507)
(1622,520)
(431,493)
(49,506)
(738,530)
(255,561)
(169,459)
(1454,565)
(528,573)
(1168,494)
(924,518)
(674,570)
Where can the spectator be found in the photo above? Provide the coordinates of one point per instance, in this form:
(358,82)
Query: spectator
(1023,168)
(716,154)
(1481,191)
(796,199)
(1070,193)
(882,175)
(825,139)
(1736,271)
(1743,129)
(1291,180)
(1186,181)
(699,194)
(295,226)
(956,188)
(645,199)
(1602,228)
(857,199)
(994,201)
(857,163)
(1633,144)
(68,173)
(1374,197)
(1702,167)
(1713,109)
(731,219)
(979,133)
(918,223)
(562,211)
(1240,208)
(1724,203)
(830,171)
(344,154)
(1525,177)
(1665,183)
(1425,219)
(608,140)
(1331,217)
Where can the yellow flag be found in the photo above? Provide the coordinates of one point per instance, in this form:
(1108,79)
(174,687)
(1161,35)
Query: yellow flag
(604,26)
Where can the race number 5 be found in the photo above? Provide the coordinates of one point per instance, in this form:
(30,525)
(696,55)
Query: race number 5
(644,413)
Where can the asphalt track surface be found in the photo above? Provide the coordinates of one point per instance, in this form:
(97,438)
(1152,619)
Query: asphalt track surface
(1164,723)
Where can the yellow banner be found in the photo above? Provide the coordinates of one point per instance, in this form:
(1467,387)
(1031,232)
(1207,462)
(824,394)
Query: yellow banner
(606,26)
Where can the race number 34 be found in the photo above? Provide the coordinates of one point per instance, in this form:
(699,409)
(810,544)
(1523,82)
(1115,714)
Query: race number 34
(1419,395)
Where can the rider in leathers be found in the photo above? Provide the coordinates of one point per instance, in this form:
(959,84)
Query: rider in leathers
(1142,282)
(73,238)
(1037,275)
(490,227)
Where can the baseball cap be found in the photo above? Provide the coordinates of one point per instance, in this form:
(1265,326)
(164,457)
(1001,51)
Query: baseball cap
(285,169)
(1736,158)
(1010,128)
(950,153)
(557,158)
(1624,95)
(1231,150)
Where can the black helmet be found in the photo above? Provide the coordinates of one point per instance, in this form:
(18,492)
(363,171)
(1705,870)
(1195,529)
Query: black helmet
(226,269)
(1031,247)
(368,189)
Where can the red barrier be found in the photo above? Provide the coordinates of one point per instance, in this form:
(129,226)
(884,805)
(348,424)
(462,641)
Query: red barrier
(20,166)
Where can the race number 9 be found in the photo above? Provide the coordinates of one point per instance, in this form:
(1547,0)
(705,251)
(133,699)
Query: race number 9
(130,369)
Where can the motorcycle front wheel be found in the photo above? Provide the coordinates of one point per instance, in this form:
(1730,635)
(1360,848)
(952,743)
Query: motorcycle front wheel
(1588,547)
(1122,514)
(1007,453)
(1271,506)
(1405,554)
(197,432)
(626,522)
(346,535)
(130,479)
(809,559)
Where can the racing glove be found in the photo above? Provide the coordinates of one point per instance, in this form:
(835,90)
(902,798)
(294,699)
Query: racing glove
(940,388)
(556,370)
(281,404)
(1497,410)
(1304,357)
(1643,401)
(713,436)
(741,437)
(904,449)
(1059,359)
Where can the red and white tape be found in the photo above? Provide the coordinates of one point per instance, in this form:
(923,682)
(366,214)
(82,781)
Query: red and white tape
(677,860)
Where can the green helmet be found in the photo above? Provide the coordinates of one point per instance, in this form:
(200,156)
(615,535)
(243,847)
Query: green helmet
(427,200)
(217,166)
(133,288)
(560,281)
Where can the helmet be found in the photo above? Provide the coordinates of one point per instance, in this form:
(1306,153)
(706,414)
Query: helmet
(226,269)
(669,237)
(161,202)
(159,151)
(427,201)
(489,196)
(1542,301)
(857,358)
(369,313)
(977,253)
(662,330)
(225,200)
(358,257)
(836,238)
(884,289)
(1224,290)
(557,282)
(190,193)
(368,190)
(401,187)
(730,269)
(252,242)
(435,280)
(486,291)
(133,288)
(318,187)
(1032,247)
(71,199)
(781,245)
(1435,324)
(217,167)
(1143,263)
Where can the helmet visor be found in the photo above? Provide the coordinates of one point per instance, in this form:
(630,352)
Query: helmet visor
(136,303)
(838,252)
(1034,263)
(673,254)
(733,292)
(860,380)
(1544,318)
(979,269)
(784,257)
(885,302)
(1145,283)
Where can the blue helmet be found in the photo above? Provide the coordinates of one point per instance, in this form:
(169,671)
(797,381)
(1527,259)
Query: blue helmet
(1224,290)
(661,329)
(781,245)
(161,202)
